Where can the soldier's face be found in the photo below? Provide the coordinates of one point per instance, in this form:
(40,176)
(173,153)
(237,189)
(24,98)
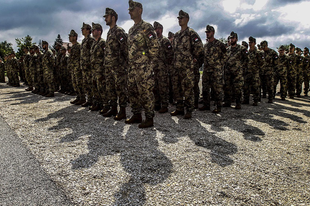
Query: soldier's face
(159,32)
(233,40)
(306,52)
(44,46)
(183,21)
(292,50)
(108,19)
(135,13)
(209,34)
(281,52)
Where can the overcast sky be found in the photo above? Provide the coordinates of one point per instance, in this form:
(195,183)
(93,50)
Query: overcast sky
(277,21)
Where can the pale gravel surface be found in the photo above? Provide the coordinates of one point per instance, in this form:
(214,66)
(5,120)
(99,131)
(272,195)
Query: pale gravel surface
(254,156)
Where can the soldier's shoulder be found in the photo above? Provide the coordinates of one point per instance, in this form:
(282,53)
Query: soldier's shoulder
(147,25)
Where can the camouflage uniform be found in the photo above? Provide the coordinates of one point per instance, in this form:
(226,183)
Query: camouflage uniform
(306,73)
(233,74)
(86,65)
(299,73)
(63,73)
(48,65)
(270,64)
(40,78)
(57,70)
(291,74)
(97,65)
(26,68)
(212,77)
(75,69)
(116,55)
(142,49)
(13,67)
(33,68)
(162,63)
(281,75)
(2,72)
(171,71)
(187,47)
(251,76)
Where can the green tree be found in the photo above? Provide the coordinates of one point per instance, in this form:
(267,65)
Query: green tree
(58,41)
(224,40)
(21,44)
(5,48)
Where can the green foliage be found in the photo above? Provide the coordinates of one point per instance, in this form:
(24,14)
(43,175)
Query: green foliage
(224,40)
(23,43)
(5,48)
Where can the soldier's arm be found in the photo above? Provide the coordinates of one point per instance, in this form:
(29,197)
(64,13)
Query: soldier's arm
(197,46)
(151,41)
(168,50)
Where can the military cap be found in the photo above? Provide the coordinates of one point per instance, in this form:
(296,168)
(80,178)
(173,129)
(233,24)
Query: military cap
(33,46)
(281,48)
(233,35)
(209,28)
(86,26)
(170,34)
(157,25)
(183,14)
(44,42)
(73,33)
(96,26)
(245,44)
(292,45)
(263,44)
(306,48)
(109,11)
(252,39)
(133,4)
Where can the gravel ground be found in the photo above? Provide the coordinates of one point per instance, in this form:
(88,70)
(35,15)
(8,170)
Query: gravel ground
(253,156)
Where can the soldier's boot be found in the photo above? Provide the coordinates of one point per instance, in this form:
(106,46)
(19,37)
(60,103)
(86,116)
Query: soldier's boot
(50,94)
(157,107)
(95,107)
(86,104)
(218,108)
(269,100)
(255,103)
(177,112)
(104,110)
(41,92)
(111,112)
(196,104)
(45,93)
(188,115)
(80,102)
(204,107)
(238,103)
(227,104)
(29,89)
(163,109)
(35,91)
(148,122)
(246,100)
(136,118)
(75,101)
(121,114)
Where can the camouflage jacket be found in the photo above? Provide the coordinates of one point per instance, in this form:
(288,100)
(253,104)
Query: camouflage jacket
(292,62)
(165,51)
(48,60)
(85,51)
(97,53)
(39,61)
(187,47)
(63,64)
(237,58)
(142,44)
(282,65)
(306,65)
(299,63)
(26,60)
(116,50)
(214,55)
(270,58)
(255,61)
(33,62)
(74,57)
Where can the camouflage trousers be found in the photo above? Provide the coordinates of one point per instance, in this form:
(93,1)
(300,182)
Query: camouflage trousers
(306,79)
(28,76)
(161,88)
(40,79)
(299,81)
(99,85)
(213,81)
(267,78)
(2,73)
(14,78)
(65,79)
(116,85)
(140,89)
(196,84)
(49,79)
(33,76)
(77,81)
(282,78)
(251,85)
(183,87)
(233,85)
(87,82)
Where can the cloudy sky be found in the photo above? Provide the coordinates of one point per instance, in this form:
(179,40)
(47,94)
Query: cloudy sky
(277,21)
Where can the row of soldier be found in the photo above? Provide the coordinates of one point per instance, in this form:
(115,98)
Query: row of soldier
(146,69)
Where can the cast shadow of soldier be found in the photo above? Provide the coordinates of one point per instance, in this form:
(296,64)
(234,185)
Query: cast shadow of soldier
(138,149)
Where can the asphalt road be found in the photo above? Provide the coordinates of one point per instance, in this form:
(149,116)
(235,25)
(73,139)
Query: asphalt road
(22,180)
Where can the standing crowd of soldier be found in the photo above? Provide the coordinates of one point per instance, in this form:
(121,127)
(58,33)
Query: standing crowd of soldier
(150,71)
